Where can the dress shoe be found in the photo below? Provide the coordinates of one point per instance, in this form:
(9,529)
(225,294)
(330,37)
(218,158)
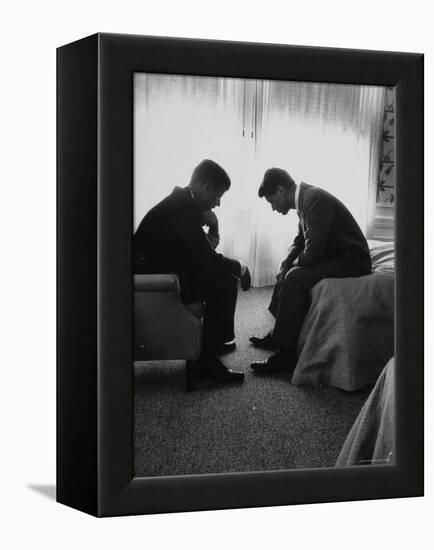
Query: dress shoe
(267,342)
(279,362)
(227,347)
(215,369)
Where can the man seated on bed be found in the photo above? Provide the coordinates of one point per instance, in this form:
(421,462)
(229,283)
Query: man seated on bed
(170,239)
(329,244)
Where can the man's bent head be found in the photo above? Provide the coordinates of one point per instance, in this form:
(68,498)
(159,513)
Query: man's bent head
(208,183)
(278,188)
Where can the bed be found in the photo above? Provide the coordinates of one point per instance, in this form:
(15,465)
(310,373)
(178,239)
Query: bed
(348,334)
(371,439)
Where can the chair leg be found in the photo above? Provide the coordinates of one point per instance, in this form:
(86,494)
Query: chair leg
(189,375)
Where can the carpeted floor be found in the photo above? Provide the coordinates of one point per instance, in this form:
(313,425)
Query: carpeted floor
(263,424)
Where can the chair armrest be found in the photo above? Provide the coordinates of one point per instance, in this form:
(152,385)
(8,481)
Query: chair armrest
(164,328)
(157,282)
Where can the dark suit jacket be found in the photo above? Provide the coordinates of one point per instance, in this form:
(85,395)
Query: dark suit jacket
(327,231)
(170,239)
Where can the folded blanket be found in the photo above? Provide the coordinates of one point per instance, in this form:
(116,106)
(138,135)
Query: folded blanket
(382,256)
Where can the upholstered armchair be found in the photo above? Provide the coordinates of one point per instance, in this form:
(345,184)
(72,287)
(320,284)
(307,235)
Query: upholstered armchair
(164,327)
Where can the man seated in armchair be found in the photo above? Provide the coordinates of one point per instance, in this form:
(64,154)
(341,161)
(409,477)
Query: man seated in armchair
(171,239)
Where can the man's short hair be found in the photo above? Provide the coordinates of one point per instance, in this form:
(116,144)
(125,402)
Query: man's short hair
(211,172)
(272,178)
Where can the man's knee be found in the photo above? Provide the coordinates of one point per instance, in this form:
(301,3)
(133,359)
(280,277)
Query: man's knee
(224,285)
(228,283)
(296,276)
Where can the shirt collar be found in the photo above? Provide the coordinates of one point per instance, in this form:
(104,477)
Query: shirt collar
(297,198)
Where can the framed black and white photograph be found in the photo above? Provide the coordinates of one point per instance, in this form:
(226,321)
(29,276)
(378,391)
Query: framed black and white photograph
(238,322)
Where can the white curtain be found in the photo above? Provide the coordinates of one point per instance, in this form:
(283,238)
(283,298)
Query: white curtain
(324,134)
(179,121)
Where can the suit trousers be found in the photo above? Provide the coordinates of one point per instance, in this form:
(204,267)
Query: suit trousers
(291,297)
(219,293)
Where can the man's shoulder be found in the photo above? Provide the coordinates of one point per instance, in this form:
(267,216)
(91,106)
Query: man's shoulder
(178,195)
(178,198)
(178,209)
(312,194)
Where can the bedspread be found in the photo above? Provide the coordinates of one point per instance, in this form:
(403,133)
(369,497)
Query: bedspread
(348,334)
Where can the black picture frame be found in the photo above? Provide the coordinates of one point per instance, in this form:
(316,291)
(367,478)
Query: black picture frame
(94,274)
